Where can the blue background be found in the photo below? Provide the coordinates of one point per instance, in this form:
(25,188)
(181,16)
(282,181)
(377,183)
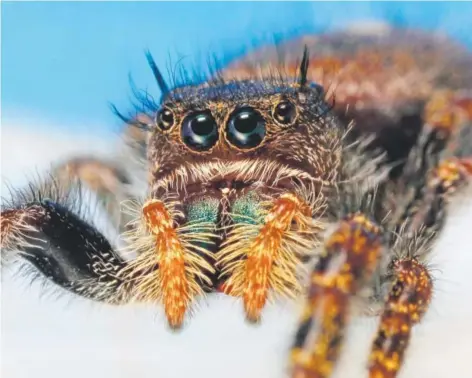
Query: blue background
(66,61)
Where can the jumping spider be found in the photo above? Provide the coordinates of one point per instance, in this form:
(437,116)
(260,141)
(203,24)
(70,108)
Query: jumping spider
(260,184)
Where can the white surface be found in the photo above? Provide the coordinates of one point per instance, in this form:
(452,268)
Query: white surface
(69,337)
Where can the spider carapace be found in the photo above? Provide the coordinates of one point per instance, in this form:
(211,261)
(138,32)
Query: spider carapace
(259,185)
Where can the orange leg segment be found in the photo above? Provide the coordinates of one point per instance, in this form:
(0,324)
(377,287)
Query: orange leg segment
(407,302)
(452,173)
(446,112)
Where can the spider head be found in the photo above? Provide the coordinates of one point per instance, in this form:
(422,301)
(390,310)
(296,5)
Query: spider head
(220,153)
(223,149)
(213,140)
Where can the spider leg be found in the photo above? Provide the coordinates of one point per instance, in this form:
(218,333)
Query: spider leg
(407,302)
(448,134)
(109,181)
(411,290)
(437,166)
(446,113)
(349,258)
(40,227)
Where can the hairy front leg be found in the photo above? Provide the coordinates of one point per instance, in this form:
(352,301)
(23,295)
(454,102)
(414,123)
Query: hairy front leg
(40,227)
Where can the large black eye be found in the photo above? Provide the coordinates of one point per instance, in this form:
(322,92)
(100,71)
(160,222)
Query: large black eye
(285,112)
(199,130)
(165,119)
(246,128)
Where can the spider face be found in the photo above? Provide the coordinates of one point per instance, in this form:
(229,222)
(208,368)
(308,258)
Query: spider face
(219,138)
(221,151)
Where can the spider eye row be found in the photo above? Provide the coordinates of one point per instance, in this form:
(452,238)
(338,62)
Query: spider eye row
(245,128)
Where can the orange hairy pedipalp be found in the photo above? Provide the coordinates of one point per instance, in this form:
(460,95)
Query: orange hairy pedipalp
(264,251)
(174,283)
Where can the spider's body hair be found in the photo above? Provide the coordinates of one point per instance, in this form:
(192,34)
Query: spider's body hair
(171,161)
(264,172)
(381,82)
(194,87)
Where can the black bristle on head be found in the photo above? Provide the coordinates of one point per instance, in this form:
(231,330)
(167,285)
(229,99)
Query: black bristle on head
(132,121)
(303,78)
(157,74)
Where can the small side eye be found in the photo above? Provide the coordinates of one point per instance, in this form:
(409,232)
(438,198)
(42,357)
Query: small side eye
(165,119)
(285,112)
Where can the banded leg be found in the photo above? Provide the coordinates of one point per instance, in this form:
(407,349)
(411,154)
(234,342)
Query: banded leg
(349,258)
(407,302)
(411,290)
(446,112)
(64,248)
